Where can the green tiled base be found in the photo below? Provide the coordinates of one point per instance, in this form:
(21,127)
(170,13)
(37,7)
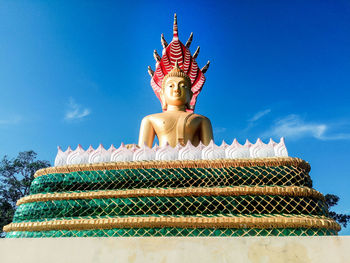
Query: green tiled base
(170,177)
(182,205)
(175,206)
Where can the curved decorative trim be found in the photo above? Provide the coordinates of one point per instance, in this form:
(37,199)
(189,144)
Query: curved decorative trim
(175,232)
(272,161)
(277,221)
(196,191)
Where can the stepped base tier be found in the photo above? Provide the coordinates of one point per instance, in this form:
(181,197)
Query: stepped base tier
(224,197)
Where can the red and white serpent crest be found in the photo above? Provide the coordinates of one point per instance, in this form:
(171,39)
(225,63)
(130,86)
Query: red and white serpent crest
(180,53)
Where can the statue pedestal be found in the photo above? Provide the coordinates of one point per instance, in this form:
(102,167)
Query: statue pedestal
(177,249)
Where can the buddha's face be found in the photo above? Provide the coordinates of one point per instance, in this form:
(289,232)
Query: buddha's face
(177,91)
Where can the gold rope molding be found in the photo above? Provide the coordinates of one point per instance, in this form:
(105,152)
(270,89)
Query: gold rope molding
(197,191)
(277,221)
(272,161)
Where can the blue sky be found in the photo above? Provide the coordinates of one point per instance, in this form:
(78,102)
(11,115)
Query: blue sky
(76,72)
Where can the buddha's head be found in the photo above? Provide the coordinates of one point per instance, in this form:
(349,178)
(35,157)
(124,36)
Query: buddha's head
(176,89)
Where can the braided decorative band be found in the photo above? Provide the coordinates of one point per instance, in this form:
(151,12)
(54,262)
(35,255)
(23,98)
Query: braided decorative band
(276,221)
(191,191)
(272,161)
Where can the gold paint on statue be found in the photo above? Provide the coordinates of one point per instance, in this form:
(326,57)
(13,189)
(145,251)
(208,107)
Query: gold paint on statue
(175,125)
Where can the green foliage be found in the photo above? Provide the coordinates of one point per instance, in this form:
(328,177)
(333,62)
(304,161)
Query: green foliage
(332,200)
(15,178)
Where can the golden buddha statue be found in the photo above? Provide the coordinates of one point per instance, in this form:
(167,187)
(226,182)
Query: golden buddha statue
(175,125)
(177,81)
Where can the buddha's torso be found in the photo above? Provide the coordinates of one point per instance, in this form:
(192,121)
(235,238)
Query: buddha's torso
(177,127)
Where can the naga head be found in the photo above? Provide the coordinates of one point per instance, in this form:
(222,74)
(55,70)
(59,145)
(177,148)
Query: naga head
(177,66)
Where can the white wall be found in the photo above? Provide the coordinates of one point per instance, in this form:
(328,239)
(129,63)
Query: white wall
(172,249)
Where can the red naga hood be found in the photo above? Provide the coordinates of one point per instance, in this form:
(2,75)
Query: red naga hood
(180,53)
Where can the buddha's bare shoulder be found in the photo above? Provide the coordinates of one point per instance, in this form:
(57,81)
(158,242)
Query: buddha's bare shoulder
(199,116)
(154,116)
(149,119)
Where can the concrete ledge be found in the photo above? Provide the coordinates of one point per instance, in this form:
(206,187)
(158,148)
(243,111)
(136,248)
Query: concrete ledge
(177,249)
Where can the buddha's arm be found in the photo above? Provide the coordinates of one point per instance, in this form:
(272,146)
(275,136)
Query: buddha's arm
(206,133)
(147,133)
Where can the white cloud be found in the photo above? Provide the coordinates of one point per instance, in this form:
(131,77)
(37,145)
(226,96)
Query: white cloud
(10,121)
(75,111)
(294,127)
(259,115)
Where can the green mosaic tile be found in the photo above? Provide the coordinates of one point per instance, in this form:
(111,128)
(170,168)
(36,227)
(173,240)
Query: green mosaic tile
(181,177)
(183,205)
